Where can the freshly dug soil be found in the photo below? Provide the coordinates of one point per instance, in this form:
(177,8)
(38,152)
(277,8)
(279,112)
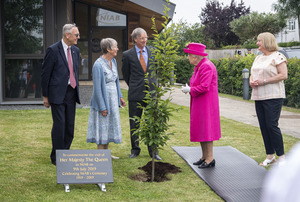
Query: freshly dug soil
(161,171)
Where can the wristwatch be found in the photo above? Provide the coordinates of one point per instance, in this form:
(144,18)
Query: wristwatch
(265,82)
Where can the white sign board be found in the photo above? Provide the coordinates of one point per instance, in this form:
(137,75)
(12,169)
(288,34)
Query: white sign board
(109,18)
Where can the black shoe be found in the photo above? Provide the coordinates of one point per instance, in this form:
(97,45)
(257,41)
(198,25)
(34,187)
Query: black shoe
(133,155)
(157,157)
(207,165)
(198,163)
(53,162)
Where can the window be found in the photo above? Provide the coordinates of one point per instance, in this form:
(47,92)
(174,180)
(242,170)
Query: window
(23,48)
(23,27)
(81,19)
(291,25)
(23,78)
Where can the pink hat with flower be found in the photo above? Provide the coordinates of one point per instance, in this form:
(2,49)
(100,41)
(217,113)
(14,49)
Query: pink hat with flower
(196,49)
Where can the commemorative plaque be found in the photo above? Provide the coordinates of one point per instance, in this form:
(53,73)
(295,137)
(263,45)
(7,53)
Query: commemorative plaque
(83,166)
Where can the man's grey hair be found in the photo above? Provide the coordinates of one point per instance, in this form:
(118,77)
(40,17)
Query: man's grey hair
(67,28)
(136,33)
(107,44)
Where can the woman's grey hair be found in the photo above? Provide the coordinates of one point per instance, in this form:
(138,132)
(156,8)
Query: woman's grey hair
(107,44)
(136,33)
(67,28)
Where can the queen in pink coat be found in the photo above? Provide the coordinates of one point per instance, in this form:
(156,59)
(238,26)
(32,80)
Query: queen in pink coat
(204,106)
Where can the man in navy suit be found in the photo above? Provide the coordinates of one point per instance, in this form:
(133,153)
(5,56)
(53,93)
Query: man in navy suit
(134,75)
(60,87)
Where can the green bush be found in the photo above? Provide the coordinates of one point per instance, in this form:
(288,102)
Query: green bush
(250,44)
(230,79)
(183,70)
(292,84)
(289,44)
(232,47)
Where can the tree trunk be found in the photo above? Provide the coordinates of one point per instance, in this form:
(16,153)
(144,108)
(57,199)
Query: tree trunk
(154,148)
(153,165)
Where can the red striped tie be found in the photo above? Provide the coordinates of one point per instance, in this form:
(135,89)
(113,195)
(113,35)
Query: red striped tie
(72,77)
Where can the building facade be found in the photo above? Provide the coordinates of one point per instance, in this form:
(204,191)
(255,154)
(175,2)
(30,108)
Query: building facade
(290,33)
(28,27)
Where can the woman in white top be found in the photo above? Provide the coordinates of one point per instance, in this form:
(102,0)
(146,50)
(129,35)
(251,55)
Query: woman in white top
(268,72)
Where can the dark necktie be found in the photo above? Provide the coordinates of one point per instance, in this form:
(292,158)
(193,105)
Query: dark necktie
(72,77)
(142,61)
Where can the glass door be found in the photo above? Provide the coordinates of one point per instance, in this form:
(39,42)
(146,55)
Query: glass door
(100,33)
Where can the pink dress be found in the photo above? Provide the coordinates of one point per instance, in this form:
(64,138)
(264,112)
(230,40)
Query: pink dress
(204,106)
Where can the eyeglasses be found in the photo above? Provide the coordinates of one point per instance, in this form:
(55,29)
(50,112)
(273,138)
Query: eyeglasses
(193,56)
(76,35)
(143,38)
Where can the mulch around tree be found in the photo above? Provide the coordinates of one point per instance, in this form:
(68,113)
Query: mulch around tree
(161,171)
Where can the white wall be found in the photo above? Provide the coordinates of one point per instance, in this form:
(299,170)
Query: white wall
(290,33)
(218,54)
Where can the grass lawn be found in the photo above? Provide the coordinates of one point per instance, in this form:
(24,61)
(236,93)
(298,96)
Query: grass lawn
(28,175)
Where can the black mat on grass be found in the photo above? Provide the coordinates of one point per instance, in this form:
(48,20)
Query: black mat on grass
(236,177)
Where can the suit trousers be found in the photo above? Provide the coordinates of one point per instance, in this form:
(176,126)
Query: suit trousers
(135,110)
(268,113)
(63,116)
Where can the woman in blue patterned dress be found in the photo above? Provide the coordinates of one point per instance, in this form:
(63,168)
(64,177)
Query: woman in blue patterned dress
(104,119)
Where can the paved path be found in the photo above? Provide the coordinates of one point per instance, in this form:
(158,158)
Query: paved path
(241,111)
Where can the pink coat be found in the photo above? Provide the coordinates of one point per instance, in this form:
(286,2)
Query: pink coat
(204,106)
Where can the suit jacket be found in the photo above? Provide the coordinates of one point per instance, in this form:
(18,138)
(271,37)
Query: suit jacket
(134,75)
(55,73)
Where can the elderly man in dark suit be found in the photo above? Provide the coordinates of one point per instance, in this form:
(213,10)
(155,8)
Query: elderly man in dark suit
(135,64)
(60,87)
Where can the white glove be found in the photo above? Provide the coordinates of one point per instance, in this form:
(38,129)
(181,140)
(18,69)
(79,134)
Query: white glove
(186,89)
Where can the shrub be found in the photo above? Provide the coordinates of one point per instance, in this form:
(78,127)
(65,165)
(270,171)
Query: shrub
(292,84)
(230,79)
(183,70)
(232,47)
(250,44)
(289,44)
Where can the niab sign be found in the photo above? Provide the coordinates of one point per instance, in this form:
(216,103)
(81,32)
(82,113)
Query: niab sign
(109,18)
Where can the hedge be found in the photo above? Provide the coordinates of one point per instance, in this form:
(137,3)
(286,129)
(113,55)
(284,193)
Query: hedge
(292,84)
(230,79)
(183,70)
(289,44)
